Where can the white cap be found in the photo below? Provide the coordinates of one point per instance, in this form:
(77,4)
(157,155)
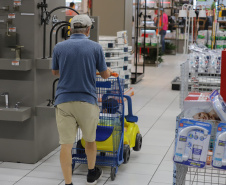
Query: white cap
(83,19)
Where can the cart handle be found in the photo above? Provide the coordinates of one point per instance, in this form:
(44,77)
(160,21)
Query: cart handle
(112,74)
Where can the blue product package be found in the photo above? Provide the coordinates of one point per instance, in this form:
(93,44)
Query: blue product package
(219,154)
(192,143)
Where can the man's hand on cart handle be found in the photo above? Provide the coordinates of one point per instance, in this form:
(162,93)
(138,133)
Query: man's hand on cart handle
(111,73)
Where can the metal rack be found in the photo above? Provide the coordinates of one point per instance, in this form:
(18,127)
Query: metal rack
(203,82)
(186,175)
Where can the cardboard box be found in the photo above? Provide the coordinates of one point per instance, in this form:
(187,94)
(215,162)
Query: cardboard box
(197,99)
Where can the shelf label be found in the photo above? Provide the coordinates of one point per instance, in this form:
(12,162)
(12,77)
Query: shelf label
(12,16)
(17,3)
(12,29)
(2,20)
(15,63)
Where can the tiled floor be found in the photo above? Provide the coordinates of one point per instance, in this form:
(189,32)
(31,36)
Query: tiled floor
(157,106)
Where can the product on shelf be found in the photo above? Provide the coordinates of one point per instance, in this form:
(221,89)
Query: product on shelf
(192,143)
(219,155)
(219,106)
(118,55)
(203,60)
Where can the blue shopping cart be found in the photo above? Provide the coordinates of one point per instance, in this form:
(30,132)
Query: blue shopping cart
(110,129)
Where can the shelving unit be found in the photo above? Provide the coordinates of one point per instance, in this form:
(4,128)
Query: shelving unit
(139,60)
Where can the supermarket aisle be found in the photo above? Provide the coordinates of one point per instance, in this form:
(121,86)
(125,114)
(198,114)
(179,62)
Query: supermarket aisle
(157,106)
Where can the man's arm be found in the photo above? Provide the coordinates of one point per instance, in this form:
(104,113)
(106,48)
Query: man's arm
(56,72)
(106,74)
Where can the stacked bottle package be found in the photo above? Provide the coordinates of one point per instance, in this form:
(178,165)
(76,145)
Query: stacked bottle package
(204,69)
(208,61)
(118,55)
(205,38)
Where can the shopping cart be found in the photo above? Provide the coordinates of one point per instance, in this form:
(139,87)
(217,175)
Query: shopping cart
(110,130)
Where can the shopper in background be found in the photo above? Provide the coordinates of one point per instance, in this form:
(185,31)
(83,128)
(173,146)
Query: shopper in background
(163,22)
(70,12)
(162,32)
(76,61)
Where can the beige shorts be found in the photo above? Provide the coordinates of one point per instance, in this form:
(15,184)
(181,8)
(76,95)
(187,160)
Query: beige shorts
(71,115)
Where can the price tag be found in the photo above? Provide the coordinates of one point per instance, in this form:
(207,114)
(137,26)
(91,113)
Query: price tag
(17,3)
(15,63)
(12,29)
(12,16)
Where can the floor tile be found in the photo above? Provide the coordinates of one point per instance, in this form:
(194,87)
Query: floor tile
(53,161)
(142,169)
(38,181)
(6,182)
(158,177)
(154,150)
(137,157)
(19,165)
(130,179)
(45,171)
(81,180)
(166,166)
(160,183)
(7,174)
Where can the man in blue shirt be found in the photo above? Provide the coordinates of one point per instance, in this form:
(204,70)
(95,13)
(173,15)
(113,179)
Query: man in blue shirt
(76,61)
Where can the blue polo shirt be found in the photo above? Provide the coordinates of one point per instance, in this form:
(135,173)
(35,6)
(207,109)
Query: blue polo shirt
(77,60)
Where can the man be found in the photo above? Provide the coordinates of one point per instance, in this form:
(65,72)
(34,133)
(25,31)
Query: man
(163,22)
(70,12)
(75,61)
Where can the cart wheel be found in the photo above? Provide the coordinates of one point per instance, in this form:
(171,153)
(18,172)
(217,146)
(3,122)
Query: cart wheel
(138,143)
(126,153)
(113,173)
(79,149)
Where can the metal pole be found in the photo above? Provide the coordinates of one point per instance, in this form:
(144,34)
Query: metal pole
(51,33)
(145,15)
(56,38)
(44,41)
(137,28)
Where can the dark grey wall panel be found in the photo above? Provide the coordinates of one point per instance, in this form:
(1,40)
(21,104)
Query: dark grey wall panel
(32,139)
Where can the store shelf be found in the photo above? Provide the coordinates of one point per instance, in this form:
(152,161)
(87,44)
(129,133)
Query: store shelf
(149,8)
(170,39)
(44,63)
(12,114)
(222,21)
(139,77)
(158,8)
(23,65)
(150,27)
(151,47)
